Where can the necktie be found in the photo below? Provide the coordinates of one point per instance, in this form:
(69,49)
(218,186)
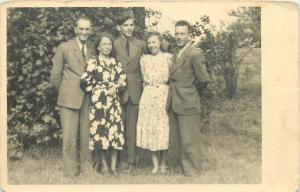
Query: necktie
(127,47)
(83,52)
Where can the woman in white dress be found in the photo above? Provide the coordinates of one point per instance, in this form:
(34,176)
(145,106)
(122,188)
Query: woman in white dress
(153,121)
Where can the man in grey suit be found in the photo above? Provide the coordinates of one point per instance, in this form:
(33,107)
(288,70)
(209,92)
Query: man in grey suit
(128,51)
(68,65)
(187,75)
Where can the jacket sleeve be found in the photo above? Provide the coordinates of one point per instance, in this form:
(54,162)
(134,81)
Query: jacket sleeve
(57,68)
(199,67)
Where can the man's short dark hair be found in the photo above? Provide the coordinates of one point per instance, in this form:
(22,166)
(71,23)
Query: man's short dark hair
(124,16)
(184,23)
(84,18)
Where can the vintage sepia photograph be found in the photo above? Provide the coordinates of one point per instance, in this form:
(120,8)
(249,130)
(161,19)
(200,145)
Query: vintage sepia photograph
(156,94)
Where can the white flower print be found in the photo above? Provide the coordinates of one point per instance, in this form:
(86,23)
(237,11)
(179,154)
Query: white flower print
(84,75)
(89,88)
(91,66)
(100,69)
(96,137)
(98,105)
(114,144)
(105,143)
(113,61)
(91,116)
(123,77)
(119,69)
(102,121)
(91,144)
(93,130)
(110,134)
(105,76)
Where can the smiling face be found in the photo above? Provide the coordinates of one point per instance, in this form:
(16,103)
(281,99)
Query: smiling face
(127,27)
(105,46)
(153,44)
(182,35)
(83,29)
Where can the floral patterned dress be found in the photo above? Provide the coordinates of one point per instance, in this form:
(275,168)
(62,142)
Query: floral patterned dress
(106,127)
(153,121)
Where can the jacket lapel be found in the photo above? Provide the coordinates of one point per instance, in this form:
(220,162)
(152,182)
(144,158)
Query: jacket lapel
(133,49)
(77,52)
(122,47)
(178,62)
(89,51)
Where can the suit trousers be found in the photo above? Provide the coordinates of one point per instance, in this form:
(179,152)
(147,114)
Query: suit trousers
(130,117)
(75,126)
(185,141)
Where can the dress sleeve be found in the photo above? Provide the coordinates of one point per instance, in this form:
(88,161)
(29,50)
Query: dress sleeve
(121,78)
(87,81)
(142,64)
(169,63)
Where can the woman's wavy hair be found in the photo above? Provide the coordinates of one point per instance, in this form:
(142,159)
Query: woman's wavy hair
(100,37)
(151,34)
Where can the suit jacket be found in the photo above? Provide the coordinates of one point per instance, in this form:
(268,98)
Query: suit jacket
(185,72)
(68,66)
(131,67)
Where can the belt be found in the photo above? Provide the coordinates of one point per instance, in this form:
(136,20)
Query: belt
(155,85)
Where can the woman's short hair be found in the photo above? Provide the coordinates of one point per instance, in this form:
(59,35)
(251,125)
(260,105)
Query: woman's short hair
(101,36)
(151,34)
(154,33)
(107,35)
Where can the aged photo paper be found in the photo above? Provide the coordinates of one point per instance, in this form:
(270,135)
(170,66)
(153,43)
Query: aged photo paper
(250,119)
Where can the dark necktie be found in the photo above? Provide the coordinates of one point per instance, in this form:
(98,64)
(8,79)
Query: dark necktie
(127,47)
(83,52)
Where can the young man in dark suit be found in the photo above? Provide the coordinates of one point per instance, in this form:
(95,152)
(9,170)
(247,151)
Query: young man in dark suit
(187,76)
(68,65)
(128,50)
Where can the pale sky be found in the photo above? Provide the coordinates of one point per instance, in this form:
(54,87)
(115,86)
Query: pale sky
(192,12)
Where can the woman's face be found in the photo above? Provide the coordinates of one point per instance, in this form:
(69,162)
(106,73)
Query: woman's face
(153,44)
(105,46)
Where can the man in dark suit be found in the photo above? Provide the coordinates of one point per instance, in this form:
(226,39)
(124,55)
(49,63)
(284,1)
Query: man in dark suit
(68,65)
(128,51)
(187,76)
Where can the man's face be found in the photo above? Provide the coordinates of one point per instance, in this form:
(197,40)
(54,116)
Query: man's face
(83,29)
(127,28)
(182,35)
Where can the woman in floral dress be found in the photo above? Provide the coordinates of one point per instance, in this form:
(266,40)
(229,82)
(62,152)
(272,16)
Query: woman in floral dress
(153,121)
(105,80)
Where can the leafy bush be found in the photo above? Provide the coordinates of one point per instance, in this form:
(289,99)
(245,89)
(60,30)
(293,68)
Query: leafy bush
(33,34)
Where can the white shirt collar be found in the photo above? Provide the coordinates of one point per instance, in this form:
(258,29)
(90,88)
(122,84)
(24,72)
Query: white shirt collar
(182,49)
